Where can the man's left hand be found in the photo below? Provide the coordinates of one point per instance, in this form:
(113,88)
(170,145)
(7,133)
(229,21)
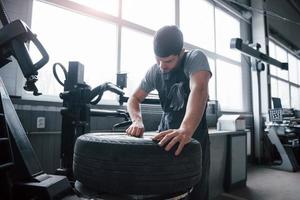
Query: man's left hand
(171,137)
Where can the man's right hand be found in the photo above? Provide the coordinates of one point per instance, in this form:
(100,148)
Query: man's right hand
(136,129)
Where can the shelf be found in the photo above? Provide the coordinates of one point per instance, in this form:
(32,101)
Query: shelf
(3,139)
(6,165)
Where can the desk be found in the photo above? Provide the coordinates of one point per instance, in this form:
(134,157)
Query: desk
(228,153)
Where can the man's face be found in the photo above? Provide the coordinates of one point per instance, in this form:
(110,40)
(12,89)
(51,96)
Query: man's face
(166,64)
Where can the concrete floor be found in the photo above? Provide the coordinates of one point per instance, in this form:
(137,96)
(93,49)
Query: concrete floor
(264,183)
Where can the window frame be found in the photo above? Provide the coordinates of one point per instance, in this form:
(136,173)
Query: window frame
(278,78)
(86,10)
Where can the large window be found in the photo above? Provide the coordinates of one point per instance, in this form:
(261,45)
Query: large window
(295,97)
(136,57)
(227,27)
(285,84)
(115,36)
(293,69)
(149,13)
(197,23)
(84,40)
(110,7)
(229,88)
(208,27)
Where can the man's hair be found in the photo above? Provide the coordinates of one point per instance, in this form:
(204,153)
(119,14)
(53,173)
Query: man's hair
(168,40)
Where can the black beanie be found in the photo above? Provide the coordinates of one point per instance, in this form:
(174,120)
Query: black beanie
(168,40)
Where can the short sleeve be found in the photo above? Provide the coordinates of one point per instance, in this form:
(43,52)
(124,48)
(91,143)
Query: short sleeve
(148,82)
(196,61)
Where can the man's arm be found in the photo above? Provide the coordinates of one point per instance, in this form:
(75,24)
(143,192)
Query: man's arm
(194,113)
(196,102)
(133,106)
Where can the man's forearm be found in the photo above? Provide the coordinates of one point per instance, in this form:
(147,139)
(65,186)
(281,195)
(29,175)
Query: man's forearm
(134,109)
(136,129)
(194,111)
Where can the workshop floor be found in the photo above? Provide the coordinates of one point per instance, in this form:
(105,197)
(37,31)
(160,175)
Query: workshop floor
(264,183)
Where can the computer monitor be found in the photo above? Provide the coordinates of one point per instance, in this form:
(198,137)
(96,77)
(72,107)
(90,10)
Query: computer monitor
(276,102)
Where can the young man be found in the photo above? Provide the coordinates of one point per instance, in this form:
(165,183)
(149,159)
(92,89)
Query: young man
(181,79)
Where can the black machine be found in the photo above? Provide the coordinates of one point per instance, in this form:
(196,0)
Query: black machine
(21,175)
(283,131)
(13,38)
(78,97)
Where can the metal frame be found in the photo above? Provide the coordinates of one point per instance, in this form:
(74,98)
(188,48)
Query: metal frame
(289,161)
(237,43)
(277,78)
(25,179)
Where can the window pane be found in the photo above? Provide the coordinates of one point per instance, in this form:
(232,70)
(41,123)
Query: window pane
(197,23)
(295,97)
(273,69)
(229,92)
(298,63)
(281,55)
(283,74)
(91,48)
(136,57)
(293,68)
(227,27)
(110,7)
(274,87)
(149,13)
(284,94)
(212,81)
(272,49)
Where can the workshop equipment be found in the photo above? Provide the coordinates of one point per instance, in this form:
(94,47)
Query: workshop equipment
(77,100)
(21,175)
(14,38)
(257,64)
(283,131)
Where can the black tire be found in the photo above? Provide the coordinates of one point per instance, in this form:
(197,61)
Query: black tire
(119,164)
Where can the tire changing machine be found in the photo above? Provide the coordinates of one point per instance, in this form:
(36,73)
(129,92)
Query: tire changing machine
(21,175)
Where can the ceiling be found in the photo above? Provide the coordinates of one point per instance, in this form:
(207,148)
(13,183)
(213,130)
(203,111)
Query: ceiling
(283,19)
(287,30)
(296,4)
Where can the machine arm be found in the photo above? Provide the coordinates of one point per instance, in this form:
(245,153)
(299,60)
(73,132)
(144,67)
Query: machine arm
(99,90)
(237,43)
(14,37)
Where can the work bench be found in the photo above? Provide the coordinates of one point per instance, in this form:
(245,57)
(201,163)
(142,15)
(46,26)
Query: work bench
(228,164)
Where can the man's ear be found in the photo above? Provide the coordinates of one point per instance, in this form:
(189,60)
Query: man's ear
(181,52)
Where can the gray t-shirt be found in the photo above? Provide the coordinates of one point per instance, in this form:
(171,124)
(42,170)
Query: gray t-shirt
(195,61)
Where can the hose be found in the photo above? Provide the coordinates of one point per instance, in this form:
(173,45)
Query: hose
(55,74)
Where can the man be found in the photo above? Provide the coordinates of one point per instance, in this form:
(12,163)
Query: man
(181,79)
